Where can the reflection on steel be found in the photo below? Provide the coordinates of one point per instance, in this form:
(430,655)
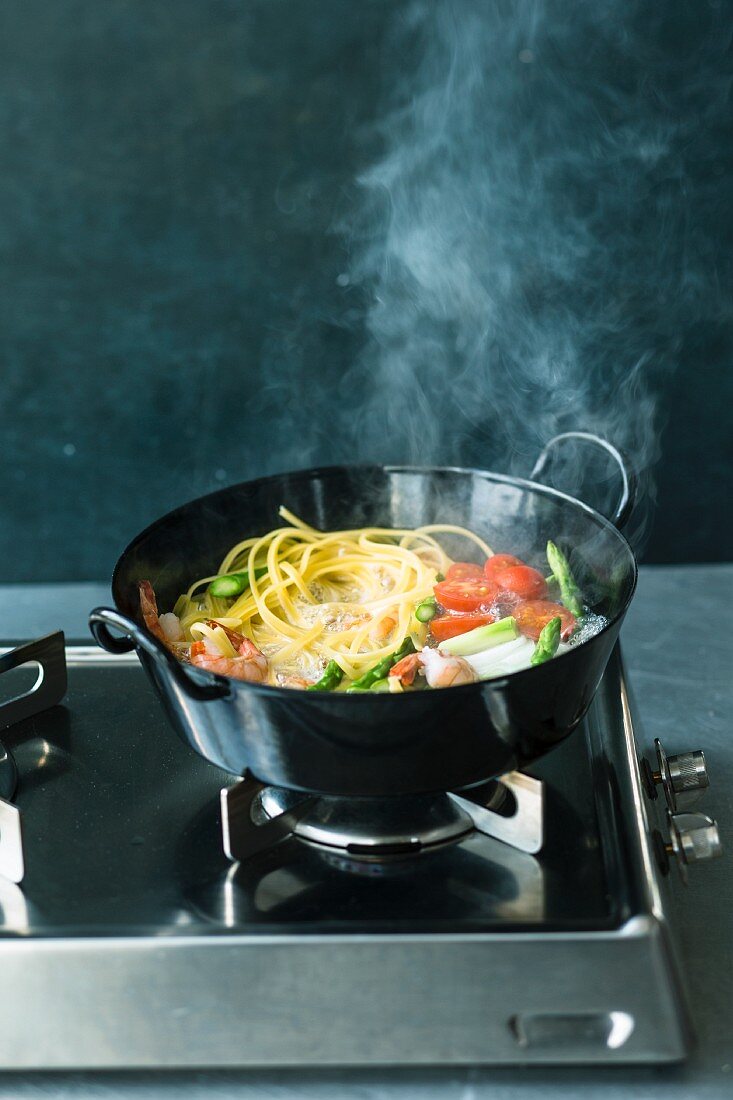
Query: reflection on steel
(524,828)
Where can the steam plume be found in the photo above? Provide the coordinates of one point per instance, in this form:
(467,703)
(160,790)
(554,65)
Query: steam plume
(526,241)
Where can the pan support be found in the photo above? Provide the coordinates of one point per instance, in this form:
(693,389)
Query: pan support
(256,817)
(48,655)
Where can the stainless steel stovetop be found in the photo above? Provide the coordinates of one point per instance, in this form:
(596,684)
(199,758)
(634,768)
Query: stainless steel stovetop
(132,940)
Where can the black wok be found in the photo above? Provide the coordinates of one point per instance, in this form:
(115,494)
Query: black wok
(374,744)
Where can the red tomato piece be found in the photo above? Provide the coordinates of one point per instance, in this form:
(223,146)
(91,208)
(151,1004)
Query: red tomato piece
(499,561)
(463,570)
(533,615)
(466,595)
(522,581)
(443,627)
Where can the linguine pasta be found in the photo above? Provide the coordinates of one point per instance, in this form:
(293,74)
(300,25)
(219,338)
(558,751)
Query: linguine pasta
(345,596)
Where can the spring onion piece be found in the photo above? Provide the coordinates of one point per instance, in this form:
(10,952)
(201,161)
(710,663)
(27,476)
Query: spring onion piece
(569,591)
(381,670)
(332,677)
(548,642)
(233,584)
(481,638)
(502,660)
(426,610)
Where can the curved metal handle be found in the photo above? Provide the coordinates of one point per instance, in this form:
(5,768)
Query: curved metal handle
(627,500)
(102,618)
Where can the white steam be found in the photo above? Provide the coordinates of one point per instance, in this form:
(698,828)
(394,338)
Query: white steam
(523,242)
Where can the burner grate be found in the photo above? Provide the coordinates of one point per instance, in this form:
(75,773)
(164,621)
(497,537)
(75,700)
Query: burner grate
(8,774)
(48,690)
(256,817)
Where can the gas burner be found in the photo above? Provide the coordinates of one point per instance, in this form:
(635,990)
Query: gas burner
(369,828)
(256,817)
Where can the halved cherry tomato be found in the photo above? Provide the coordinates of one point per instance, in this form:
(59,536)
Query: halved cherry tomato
(533,615)
(466,595)
(520,580)
(499,561)
(462,570)
(444,627)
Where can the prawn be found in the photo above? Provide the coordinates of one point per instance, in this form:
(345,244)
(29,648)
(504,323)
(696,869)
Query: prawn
(166,628)
(382,630)
(250,663)
(406,669)
(442,671)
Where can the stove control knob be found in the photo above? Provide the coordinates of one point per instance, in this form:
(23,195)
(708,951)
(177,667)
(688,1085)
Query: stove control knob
(687,772)
(683,777)
(693,837)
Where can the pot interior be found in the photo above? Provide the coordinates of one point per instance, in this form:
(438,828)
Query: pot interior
(513,516)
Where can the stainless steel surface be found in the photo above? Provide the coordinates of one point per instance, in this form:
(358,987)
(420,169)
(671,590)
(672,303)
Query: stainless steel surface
(198,963)
(523,829)
(676,688)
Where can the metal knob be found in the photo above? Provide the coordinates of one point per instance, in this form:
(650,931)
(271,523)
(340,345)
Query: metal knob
(693,838)
(682,777)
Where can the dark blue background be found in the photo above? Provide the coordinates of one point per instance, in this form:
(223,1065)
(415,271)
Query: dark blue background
(171,315)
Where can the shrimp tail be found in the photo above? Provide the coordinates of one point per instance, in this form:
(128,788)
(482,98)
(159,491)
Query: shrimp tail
(166,628)
(149,609)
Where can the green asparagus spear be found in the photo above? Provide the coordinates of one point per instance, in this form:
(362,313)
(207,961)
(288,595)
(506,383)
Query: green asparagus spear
(381,669)
(330,680)
(233,584)
(381,686)
(547,642)
(426,610)
(569,591)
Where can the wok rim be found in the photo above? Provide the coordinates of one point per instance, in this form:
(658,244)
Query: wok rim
(310,472)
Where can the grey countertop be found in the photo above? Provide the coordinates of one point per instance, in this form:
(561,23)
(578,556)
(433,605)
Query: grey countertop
(678,650)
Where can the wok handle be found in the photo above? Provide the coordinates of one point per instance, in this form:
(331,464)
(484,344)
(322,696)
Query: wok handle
(134,637)
(627,499)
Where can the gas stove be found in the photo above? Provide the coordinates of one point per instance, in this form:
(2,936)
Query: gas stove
(155,911)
